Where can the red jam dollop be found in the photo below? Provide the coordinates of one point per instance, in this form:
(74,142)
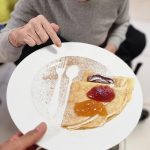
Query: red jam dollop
(101,93)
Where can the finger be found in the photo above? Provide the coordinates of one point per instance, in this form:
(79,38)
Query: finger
(51,32)
(9,144)
(29,41)
(32,137)
(15,137)
(40,31)
(30,31)
(35,37)
(55,27)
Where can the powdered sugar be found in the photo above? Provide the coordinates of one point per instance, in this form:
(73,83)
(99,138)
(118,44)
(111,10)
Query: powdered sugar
(44,82)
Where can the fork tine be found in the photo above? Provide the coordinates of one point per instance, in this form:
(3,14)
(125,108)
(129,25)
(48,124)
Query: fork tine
(59,64)
(62,64)
(65,62)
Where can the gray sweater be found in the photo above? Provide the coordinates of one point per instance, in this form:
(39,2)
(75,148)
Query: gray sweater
(87,22)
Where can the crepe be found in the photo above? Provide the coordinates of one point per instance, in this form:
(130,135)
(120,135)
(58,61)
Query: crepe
(77,94)
(122,87)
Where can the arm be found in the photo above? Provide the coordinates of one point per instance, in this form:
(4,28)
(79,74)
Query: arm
(22,14)
(26,27)
(118,32)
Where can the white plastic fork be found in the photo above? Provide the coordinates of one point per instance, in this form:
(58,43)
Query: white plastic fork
(53,104)
(71,73)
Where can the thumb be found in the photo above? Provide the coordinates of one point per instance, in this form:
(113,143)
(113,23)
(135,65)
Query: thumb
(33,136)
(55,27)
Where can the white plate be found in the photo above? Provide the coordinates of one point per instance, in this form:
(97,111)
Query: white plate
(26,116)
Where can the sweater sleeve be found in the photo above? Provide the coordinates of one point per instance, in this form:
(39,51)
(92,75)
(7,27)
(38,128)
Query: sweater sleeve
(23,12)
(119,29)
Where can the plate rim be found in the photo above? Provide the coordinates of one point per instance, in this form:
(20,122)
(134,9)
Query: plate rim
(69,43)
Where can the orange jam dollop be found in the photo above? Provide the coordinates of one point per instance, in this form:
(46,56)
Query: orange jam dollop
(90,108)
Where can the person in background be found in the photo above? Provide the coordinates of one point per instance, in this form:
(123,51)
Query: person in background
(27,141)
(89,21)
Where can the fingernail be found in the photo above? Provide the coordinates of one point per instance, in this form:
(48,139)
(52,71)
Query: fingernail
(59,44)
(41,126)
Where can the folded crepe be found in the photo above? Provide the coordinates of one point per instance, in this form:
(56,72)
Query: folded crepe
(122,87)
